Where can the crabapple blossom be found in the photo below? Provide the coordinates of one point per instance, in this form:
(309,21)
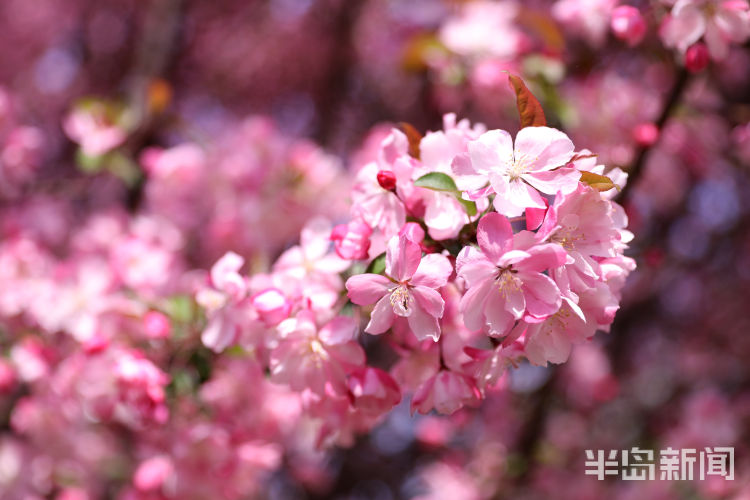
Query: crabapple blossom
(409,289)
(352,241)
(318,359)
(504,277)
(717,22)
(446,392)
(518,172)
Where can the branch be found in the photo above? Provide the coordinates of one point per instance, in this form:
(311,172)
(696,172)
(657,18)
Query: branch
(636,169)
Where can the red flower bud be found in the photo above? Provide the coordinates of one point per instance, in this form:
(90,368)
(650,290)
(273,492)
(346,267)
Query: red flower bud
(387,180)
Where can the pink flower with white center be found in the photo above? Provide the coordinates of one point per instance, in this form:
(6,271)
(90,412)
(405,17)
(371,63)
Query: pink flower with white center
(517,173)
(310,358)
(352,240)
(505,283)
(446,392)
(582,223)
(409,289)
(718,22)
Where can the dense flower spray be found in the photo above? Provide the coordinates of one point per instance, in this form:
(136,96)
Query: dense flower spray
(519,239)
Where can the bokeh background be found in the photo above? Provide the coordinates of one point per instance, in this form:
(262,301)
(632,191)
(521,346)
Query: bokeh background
(181,129)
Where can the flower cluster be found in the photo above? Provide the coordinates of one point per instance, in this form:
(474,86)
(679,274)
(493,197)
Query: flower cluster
(481,250)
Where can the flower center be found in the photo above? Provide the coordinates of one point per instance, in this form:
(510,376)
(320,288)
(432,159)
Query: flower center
(507,281)
(518,167)
(401,300)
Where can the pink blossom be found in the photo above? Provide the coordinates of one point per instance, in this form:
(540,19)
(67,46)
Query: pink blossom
(518,173)
(310,358)
(582,223)
(141,385)
(483,29)
(585,18)
(408,290)
(222,302)
(718,22)
(352,241)
(93,129)
(551,340)
(504,277)
(374,391)
(446,392)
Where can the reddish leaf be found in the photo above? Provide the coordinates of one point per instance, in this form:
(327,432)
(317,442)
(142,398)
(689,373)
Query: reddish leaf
(529,109)
(414,138)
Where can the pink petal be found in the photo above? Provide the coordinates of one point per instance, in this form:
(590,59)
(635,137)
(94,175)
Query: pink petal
(472,304)
(465,175)
(382,317)
(734,23)
(423,324)
(515,196)
(314,238)
(402,258)
(718,46)
(339,330)
(499,319)
(472,265)
(493,150)
(684,27)
(444,216)
(364,289)
(433,271)
(543,257)
(563,179)
(220,332)
(495,236)
(514,302)
(429,300)
(543,148)
(542,295)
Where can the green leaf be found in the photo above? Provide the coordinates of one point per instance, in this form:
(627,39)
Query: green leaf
(598,182)
(377,266)
(529,109)
(469,206)
(89,164)
(437,181)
